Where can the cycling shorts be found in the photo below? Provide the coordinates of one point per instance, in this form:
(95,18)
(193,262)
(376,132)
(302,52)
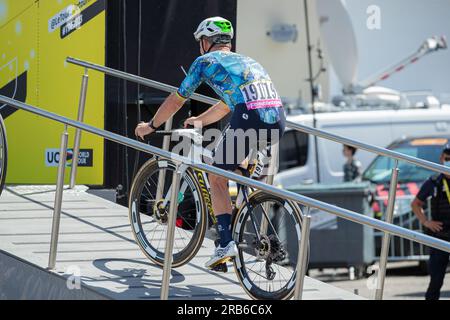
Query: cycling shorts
(245,133)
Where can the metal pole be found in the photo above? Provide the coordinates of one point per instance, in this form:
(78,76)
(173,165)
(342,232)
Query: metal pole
(162,173)
(273,166)
(313,94)
(387,237)
(58,199)
(273,169)
(76,145)
(302,257)
(170,233)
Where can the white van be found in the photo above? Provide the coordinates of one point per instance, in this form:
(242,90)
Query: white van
(379,127)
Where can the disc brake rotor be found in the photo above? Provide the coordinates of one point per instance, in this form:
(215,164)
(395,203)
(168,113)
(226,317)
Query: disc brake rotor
(161,213)
(262,248)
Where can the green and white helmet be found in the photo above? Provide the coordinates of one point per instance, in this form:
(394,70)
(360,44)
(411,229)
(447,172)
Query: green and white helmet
(214,26)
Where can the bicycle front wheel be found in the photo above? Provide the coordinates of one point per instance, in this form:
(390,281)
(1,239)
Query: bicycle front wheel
(267,231)
(148,212)
(3,154)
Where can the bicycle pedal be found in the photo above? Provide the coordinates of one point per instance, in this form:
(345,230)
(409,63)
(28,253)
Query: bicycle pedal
(221,267)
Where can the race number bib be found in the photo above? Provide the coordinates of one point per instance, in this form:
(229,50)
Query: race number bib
(260,94)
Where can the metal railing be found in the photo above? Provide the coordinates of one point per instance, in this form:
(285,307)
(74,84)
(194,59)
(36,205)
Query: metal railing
(316,132)
(180,160)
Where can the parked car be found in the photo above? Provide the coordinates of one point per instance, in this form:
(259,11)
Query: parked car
(410,176)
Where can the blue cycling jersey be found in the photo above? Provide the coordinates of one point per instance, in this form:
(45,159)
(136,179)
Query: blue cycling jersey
(238,80)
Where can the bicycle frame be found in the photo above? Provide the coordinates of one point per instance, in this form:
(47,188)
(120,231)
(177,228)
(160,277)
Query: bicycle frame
(196,154)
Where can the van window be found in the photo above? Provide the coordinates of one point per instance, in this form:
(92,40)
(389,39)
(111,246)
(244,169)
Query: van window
(293,150)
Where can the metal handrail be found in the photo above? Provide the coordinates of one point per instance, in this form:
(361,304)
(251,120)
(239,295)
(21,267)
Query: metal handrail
(137,79)
(340,212)
(320,133)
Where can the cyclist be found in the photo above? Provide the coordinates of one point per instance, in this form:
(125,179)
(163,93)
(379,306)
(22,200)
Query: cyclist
(247,91)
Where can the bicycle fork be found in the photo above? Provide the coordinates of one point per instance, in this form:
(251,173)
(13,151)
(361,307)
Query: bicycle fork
(160,188)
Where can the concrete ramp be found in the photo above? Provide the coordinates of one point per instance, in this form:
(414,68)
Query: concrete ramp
(22,280)
(97,256)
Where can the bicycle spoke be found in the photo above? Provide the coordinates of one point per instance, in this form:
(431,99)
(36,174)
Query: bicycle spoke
(267,217)
(181,237)
(257,274)
(149,193)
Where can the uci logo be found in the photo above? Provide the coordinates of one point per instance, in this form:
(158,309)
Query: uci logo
(245,116)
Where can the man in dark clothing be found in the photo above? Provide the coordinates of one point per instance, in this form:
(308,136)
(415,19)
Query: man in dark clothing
(436,187)
(352,167)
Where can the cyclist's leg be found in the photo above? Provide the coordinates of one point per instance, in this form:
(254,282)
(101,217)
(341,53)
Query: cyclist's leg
(245,133)
(226,157)
(229,153)
(233,148)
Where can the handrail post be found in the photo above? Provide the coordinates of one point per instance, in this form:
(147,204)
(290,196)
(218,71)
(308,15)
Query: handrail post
(58,199)
(272,170)
(162,173)
(387,237)
(273,166)
(77,142)
(302,256)
(168,257)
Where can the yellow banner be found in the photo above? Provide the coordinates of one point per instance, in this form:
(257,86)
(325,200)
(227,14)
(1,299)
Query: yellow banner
(35,39)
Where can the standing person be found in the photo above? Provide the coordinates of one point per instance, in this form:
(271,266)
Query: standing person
(352,167)
(436,187)
(247,91)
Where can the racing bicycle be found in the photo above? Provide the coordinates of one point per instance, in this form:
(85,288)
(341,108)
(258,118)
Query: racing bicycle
(266,227)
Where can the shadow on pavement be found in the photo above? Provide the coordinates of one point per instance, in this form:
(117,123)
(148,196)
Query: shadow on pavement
(134,279)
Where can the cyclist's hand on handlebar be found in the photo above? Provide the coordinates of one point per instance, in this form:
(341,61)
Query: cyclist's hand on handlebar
(190,122)
(142,130)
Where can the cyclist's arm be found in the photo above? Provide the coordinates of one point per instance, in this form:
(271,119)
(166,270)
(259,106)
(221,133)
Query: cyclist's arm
(213,114)
(170,106)
(175,101)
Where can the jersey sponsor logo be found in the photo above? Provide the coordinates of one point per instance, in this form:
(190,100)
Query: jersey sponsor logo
(260,94)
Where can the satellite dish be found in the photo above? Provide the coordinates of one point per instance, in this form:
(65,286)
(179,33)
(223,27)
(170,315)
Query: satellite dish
(337,31)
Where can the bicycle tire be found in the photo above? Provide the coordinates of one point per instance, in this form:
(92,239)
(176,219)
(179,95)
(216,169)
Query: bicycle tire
(154,254)
(3,154)
(252,289)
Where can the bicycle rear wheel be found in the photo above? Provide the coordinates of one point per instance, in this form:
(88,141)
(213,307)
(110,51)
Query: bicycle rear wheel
(267,259)
(149,219)
(3,154)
